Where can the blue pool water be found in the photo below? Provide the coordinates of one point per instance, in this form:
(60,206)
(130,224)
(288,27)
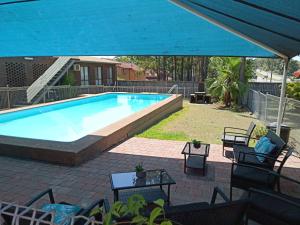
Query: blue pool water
(70,121)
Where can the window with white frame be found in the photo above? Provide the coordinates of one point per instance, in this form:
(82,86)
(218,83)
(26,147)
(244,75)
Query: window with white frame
(110,76)
(84,75)
(98,78)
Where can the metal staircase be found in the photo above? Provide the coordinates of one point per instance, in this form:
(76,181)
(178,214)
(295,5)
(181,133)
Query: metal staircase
(50,77)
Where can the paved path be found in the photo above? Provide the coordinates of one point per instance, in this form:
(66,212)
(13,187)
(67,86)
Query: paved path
(20,180)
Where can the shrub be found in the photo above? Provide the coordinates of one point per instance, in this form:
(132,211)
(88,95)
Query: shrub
(293,90)
(259,131)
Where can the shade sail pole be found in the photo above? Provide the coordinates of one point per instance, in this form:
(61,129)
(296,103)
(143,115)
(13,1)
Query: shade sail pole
(282,97)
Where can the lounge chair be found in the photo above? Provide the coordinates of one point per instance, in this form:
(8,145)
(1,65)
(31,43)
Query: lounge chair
(247,154)
(245,176)
(237,136)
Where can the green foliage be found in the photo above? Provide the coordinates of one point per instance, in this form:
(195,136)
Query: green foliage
(225,84)
(293,90)
(139,168)
(195,142)
(132,213)
(276,65)
(69,79)
(259,131)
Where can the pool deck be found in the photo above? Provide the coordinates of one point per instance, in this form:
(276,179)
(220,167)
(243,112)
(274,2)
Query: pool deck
(76,152)
(20,180)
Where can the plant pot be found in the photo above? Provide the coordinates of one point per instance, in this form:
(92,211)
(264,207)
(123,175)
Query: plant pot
(141,174)
(197,145)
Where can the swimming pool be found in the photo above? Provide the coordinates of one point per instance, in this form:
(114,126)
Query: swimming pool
(72,131)
(70,121)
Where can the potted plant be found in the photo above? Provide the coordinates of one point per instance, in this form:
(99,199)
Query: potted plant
(196,143)
(140,172)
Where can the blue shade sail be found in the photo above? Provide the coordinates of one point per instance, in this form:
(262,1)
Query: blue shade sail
(272,23)
(113,27)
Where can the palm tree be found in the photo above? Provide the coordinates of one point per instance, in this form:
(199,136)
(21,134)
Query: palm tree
(227,85)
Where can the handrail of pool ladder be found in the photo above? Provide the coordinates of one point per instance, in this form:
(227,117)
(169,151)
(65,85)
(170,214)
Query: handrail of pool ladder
(175,86)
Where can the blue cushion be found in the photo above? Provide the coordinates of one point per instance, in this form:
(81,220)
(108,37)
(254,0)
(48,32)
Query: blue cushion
(264,146)
(62,212)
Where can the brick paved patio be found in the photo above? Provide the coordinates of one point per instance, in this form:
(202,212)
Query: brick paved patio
(20,180)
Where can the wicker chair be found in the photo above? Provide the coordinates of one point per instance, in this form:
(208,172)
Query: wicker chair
(276,208)
(245,176)
(82,211)
(237,136)
(247,154)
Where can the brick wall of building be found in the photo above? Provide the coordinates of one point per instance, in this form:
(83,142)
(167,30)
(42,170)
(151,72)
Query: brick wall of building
(22,71)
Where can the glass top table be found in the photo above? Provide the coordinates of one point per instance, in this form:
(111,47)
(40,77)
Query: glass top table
(195,157)
(129,180)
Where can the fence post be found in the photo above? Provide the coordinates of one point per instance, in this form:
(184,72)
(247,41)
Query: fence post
(8,97)
(266,107)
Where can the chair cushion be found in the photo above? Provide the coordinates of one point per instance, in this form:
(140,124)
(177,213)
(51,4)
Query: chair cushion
(276,208)
(275,139)
(62,212)
(235,139)
(263,146)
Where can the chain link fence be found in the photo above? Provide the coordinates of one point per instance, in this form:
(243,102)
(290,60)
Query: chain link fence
(265,108)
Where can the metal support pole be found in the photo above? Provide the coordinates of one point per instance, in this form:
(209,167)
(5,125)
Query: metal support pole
(282,97)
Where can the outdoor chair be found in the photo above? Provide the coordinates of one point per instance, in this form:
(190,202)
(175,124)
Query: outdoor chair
(204,213)
(245,176)
(248,155)
(237,136)
(274,207)
(62,207)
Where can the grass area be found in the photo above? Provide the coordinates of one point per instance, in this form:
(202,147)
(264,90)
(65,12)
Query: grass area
(201,122)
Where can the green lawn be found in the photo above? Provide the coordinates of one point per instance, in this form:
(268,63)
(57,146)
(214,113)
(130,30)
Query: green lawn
(201,122)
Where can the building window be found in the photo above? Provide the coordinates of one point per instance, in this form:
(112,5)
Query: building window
(84,75)
(98,78)
(110,76)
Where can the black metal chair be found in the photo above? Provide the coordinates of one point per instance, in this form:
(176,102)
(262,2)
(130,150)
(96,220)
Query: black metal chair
(237,136)
(204,213)
(245,176)
(273,207)
(247,154)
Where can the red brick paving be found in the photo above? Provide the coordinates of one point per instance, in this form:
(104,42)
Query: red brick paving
(20,180)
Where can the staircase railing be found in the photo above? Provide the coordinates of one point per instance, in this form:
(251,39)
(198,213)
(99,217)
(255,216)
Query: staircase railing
(174,87)
(43,80)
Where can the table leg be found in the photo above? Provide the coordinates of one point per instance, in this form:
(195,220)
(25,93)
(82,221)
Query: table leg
(116,195)
(204,166)
(184,163)
(168,194)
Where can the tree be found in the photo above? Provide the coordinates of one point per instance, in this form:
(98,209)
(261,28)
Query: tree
(225,82)
(293,66)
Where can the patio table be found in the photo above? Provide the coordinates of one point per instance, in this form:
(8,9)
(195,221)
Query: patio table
(195,158)
(146,186)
